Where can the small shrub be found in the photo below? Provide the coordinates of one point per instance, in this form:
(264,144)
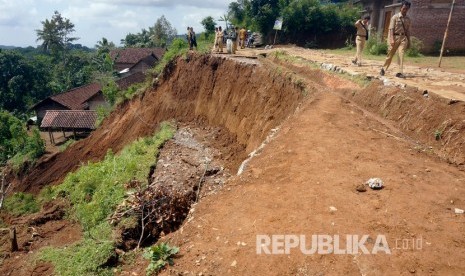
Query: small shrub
(350,44)
(102,113)
(415,47)
(159,255)
(67,144)
(380,48)
(21,203)
(437,45)
(313,44)
(177,48)
(438,135)
(375,45)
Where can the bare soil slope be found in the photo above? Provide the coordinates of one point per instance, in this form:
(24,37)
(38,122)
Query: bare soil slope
(245,99)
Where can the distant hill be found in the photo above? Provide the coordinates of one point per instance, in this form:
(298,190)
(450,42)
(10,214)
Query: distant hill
(29,48)
(8,47)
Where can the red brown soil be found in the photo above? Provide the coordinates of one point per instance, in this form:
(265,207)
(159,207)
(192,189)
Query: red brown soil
(46,228)
(206,89)
(328,142)
(320,155)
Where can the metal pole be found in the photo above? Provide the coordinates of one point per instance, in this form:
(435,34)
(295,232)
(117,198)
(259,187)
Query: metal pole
(274,41)
(445,33)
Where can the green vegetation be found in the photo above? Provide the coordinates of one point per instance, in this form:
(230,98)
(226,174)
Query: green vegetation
(438,134)
(68,143)
(94,192)
(16,144)
(84,258)
(375,45)
(177,48)
(307,22)
(159,255)
(161,34)
(415,47)
(20,204)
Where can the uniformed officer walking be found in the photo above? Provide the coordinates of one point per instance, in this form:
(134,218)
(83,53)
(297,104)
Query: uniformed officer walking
(398,38)
(362,37)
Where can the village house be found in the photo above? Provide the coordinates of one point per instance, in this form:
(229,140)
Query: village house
(429,21)
(129,61)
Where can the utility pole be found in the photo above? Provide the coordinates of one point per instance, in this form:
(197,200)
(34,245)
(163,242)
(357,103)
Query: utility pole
(445,33)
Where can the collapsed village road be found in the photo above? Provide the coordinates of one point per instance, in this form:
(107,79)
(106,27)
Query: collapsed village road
(304,183)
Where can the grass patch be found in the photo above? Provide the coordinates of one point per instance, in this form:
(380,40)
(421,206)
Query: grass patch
(94,191)
(21,203)
(177,48)
(68,143)
(85,258)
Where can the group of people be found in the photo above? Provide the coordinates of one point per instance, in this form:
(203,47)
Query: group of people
(235,35)
(398,38)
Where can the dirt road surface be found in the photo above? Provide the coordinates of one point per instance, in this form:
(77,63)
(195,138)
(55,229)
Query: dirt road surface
(446,84)
(304,183)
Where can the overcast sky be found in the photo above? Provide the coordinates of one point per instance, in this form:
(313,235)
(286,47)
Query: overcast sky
(112,19)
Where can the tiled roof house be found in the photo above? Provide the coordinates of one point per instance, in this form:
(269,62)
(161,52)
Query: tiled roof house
(89,97)
(132,60)
(77,120)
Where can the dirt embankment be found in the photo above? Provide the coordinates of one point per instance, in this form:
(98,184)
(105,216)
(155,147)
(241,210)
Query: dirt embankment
(247,100)
(433,123)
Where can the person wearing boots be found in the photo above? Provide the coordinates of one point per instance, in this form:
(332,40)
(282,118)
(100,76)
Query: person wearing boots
(398,38)
(361,38)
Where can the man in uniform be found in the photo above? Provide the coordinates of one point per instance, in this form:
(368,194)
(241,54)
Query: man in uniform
(242,36)
(362,37)
(398,38)
(219,39)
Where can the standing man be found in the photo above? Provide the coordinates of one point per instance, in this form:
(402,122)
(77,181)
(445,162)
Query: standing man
(398,38)
(233,35)
(219,39)
(242,37)
(189,37)
(193,39)
(362,37)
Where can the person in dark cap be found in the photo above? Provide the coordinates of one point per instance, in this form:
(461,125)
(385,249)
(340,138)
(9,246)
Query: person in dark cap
(398,38)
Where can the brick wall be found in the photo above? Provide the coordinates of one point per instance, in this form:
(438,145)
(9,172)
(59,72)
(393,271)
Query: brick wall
(429,21)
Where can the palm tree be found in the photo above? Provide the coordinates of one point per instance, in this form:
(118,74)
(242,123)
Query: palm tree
(225,18)
(55,33)
(104,46)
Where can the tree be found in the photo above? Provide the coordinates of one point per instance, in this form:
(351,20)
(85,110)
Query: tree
(162,33)
(13,136)
(104,46)
(102,60)
(226,19)
(208,24)
(55,34)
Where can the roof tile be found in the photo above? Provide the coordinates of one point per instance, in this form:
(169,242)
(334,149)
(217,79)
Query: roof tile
(76,119)
(76,98)
(133,55)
